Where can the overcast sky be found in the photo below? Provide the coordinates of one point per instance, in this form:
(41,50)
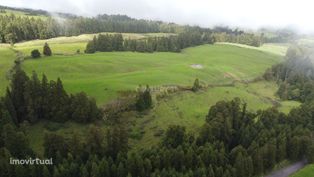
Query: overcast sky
(206,13)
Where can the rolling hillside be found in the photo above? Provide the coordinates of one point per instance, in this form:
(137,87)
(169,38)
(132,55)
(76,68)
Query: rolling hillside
(103,75)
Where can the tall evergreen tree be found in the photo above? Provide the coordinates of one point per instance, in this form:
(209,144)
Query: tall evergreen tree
(47,50)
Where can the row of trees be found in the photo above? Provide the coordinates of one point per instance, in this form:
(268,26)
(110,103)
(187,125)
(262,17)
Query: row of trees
(295,76)
(173,43)
(232,143)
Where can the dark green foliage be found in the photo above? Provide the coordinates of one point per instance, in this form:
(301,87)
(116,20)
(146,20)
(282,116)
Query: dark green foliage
(30,99)
(144,99)
(84,109)
(47,50)
(16,95)
(91,46)
(174,43)
(15,141)
(59,147)
(175,136)
(35,53)
(196,85)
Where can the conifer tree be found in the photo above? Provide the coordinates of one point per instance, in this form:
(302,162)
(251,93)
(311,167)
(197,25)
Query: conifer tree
(47,50)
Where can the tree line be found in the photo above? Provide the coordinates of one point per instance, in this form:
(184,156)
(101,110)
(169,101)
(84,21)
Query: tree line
(173,43)
(14,28)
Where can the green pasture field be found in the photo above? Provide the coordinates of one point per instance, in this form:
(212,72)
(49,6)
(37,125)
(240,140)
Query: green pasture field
(103,75)
(7,57)
(307,171)
(277,49)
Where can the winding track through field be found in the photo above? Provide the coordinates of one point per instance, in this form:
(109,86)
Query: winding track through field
(285,172)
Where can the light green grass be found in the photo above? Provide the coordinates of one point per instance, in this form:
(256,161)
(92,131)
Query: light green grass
(307,171)
(102,75)
(7,57)
(189,109)
(85,38)
(275,48)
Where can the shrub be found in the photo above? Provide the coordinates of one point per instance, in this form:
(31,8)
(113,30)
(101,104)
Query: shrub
(35,53)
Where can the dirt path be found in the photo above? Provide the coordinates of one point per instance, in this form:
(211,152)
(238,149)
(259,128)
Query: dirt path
(285,172)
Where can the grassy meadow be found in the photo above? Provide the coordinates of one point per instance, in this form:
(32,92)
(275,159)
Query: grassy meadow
(307,171)
(277,49)
(103,75)
(7,57)
(189,109)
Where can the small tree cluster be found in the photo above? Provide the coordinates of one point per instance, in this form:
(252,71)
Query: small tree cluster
(144,99)
(105,43)
(47,50)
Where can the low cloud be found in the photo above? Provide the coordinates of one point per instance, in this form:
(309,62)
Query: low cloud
(206,13)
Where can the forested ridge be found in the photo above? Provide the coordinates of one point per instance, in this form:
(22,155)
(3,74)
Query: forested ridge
(16,28)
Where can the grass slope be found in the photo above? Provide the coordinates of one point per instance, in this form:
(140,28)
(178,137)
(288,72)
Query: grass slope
(103,75)
(277,49)
(7,57)
(189,109)
(185,108)
(307,171)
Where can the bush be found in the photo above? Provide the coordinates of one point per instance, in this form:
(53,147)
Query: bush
(35,53)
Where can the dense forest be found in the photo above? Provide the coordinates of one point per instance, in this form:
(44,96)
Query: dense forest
(16,28)
(233,142)
(295,76)
(32,100)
